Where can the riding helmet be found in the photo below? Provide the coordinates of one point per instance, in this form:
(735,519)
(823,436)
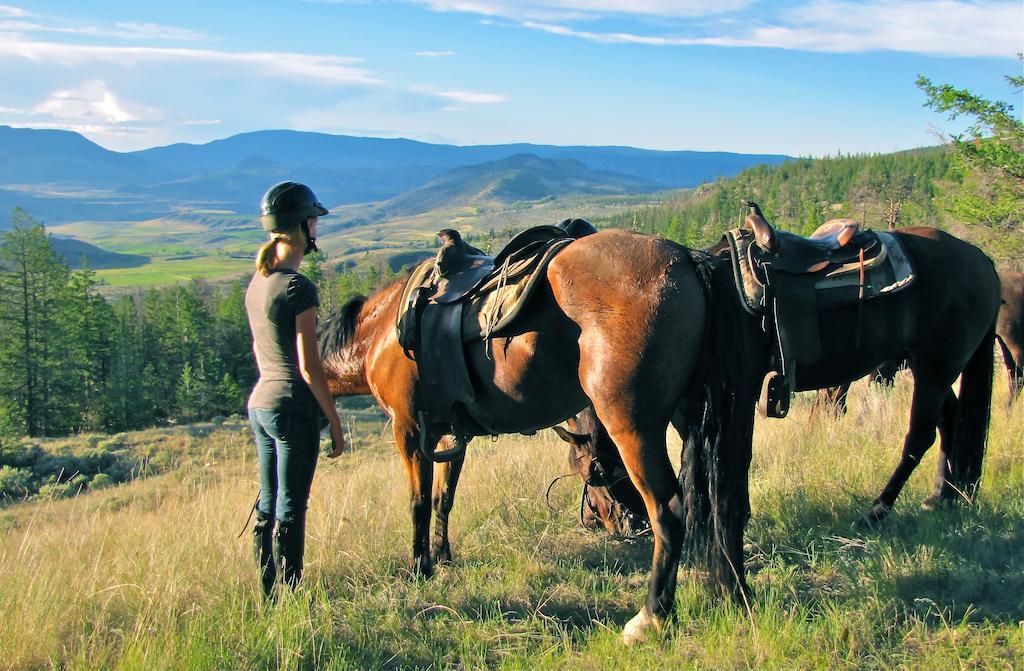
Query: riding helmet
(287,205)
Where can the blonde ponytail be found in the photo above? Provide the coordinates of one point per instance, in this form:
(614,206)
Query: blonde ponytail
(268,252)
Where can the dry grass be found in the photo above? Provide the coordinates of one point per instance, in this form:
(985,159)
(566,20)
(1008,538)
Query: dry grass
(151,574)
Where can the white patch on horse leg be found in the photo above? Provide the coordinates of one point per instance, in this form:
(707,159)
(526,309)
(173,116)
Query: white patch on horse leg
(639,628)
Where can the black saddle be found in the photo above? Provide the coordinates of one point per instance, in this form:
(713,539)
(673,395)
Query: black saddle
(786,279)
(836,242)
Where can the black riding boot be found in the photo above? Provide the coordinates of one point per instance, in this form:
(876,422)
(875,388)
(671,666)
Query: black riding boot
(290,541)
(263,551)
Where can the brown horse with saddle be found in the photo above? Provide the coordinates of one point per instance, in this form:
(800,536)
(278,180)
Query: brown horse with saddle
(624,322)
(935,322)
(649,334)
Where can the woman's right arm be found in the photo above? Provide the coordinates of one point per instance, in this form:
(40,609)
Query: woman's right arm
(312,371)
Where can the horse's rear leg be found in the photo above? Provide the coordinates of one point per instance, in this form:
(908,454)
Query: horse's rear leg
(947,425)
(933,405)
(420,472)
(645,456)
(445,483)
(831,401)
(1014,369)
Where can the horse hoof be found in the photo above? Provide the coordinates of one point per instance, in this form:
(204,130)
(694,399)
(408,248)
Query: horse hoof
(441,556)
(874,516)
(641,626)
(422,569)
(935,502)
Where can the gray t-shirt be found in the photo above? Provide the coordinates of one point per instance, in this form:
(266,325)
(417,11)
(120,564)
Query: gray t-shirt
(272,303)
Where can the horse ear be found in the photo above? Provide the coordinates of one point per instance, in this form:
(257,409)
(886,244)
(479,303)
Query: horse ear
(577,439)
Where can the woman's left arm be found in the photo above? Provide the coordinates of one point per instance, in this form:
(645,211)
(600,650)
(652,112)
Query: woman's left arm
(312,371)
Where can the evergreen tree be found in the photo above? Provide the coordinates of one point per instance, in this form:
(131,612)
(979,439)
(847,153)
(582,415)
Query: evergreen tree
(990,154)
(35,374)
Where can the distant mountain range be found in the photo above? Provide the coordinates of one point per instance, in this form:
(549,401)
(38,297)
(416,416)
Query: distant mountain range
(60,176)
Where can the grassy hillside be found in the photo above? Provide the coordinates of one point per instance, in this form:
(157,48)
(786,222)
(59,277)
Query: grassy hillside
(151,574)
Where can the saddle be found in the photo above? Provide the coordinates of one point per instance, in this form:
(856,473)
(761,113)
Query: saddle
(787,279)
(464,295)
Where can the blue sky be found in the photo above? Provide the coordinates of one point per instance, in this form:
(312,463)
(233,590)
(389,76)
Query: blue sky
(798,77)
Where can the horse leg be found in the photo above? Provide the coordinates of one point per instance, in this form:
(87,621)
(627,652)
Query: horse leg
(831,401)
(947,425)
(420,472)
(931,401)
(444,496)
(1014,369)
(645,456)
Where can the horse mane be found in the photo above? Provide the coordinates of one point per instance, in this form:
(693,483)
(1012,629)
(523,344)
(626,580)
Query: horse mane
(337,330)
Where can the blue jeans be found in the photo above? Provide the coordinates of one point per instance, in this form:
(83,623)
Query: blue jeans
(288,444)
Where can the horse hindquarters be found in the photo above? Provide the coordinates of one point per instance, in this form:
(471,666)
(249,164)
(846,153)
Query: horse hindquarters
(640,312)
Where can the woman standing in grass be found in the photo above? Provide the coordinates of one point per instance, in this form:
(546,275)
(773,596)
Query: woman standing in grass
(285,404)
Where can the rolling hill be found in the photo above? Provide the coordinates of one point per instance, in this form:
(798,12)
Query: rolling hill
(522,177)
(60,176)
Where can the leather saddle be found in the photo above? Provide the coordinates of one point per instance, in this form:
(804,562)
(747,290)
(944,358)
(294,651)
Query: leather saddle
(786,279)
(464,294)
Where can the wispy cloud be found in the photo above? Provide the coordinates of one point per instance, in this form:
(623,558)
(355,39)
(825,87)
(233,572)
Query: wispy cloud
(470,97)
(91,102)
(14,12)
(584,9)
(155,31)
(12,19)
(94,109)
(337,70)
(434,54)
(935,27)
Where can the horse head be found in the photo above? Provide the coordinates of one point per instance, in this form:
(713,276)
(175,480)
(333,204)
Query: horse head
(609,497)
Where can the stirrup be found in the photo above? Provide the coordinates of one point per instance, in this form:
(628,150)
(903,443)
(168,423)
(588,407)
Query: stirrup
(774,400)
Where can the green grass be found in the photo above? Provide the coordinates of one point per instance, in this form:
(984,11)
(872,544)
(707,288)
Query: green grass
(151,574)
(160,272)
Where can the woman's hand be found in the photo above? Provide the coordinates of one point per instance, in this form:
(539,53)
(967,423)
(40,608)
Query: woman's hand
(338,445)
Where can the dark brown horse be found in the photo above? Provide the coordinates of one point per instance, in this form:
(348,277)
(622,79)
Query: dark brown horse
(633,325)
(1010,330)
(941,326)
(1009,336)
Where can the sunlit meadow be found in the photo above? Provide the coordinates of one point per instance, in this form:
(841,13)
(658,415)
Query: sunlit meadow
(152,574)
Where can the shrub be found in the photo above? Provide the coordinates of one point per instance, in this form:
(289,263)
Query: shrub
(15,483)
(57,490)
(101,481)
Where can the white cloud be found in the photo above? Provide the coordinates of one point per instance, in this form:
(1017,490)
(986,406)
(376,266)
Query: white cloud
(91,102)
(12,19)
(584,9)
(935,27)
(14,12)
(470,97)
(335,70)
(154,31)
(434,54)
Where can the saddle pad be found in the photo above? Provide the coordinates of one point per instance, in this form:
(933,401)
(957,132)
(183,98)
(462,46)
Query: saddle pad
(893,273)
(502,299)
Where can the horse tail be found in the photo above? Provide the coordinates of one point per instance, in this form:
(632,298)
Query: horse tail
(718,432)
(972,417)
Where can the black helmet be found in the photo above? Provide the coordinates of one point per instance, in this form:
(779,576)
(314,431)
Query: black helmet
(287,205)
